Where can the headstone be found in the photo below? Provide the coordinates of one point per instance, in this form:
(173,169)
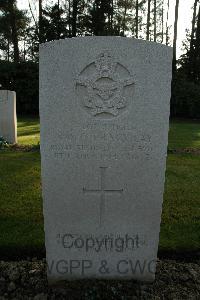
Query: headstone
(8,118)
(104,108)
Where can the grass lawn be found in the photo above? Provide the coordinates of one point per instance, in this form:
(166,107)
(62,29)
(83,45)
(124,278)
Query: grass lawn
(184,134)
(28,130)
(180,228)
(21,220)
(20,202)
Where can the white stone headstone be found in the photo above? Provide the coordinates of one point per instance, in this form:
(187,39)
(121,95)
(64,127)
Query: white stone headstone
(8,118)
(104,109)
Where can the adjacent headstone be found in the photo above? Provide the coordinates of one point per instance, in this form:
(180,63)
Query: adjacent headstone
(104,108)
(8,118)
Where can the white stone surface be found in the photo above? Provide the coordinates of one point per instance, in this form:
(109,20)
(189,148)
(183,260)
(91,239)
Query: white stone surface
(104,109)
(8,118)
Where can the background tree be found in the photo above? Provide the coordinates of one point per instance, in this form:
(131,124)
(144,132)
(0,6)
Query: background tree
(14,22)
(175,38)
(101,16)
(5,35)
(136,18)
(186,80)
(191,54)
(136,21)
(197,52)
(167,25)
(74,17)
(54,23)
(50,20)
(40,22)
(148,19)
(155,20)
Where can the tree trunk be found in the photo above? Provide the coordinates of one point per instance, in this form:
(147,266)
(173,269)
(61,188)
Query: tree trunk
(40,22)
(191,51)
(167,27)
(69,17)
(197,51)
(124,18)
(148,19)
(175,38)
(112,14)
(162,36)
(24,50)
(136,19)
(155,19)
(58,29)
(32,14)
(74,17)
(8,51)
(14,33)
(193,24)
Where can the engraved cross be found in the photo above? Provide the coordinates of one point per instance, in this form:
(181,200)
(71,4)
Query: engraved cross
(102,191)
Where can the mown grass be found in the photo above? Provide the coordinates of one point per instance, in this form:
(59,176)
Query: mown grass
(184,134)
(180,228)
(28,131)
(21,218)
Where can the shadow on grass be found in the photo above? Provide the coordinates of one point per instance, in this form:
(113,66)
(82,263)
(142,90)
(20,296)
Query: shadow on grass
(27,124)
(180,237)
(29,133)
(184,134)
(21,233)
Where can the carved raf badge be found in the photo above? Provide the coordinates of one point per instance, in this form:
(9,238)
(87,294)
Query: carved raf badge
(104,81)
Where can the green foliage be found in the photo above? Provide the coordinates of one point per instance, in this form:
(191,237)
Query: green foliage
(100,14)
(54,24)
(185,98)
(23,78)
(186,84)
(3,143)
(13,24)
